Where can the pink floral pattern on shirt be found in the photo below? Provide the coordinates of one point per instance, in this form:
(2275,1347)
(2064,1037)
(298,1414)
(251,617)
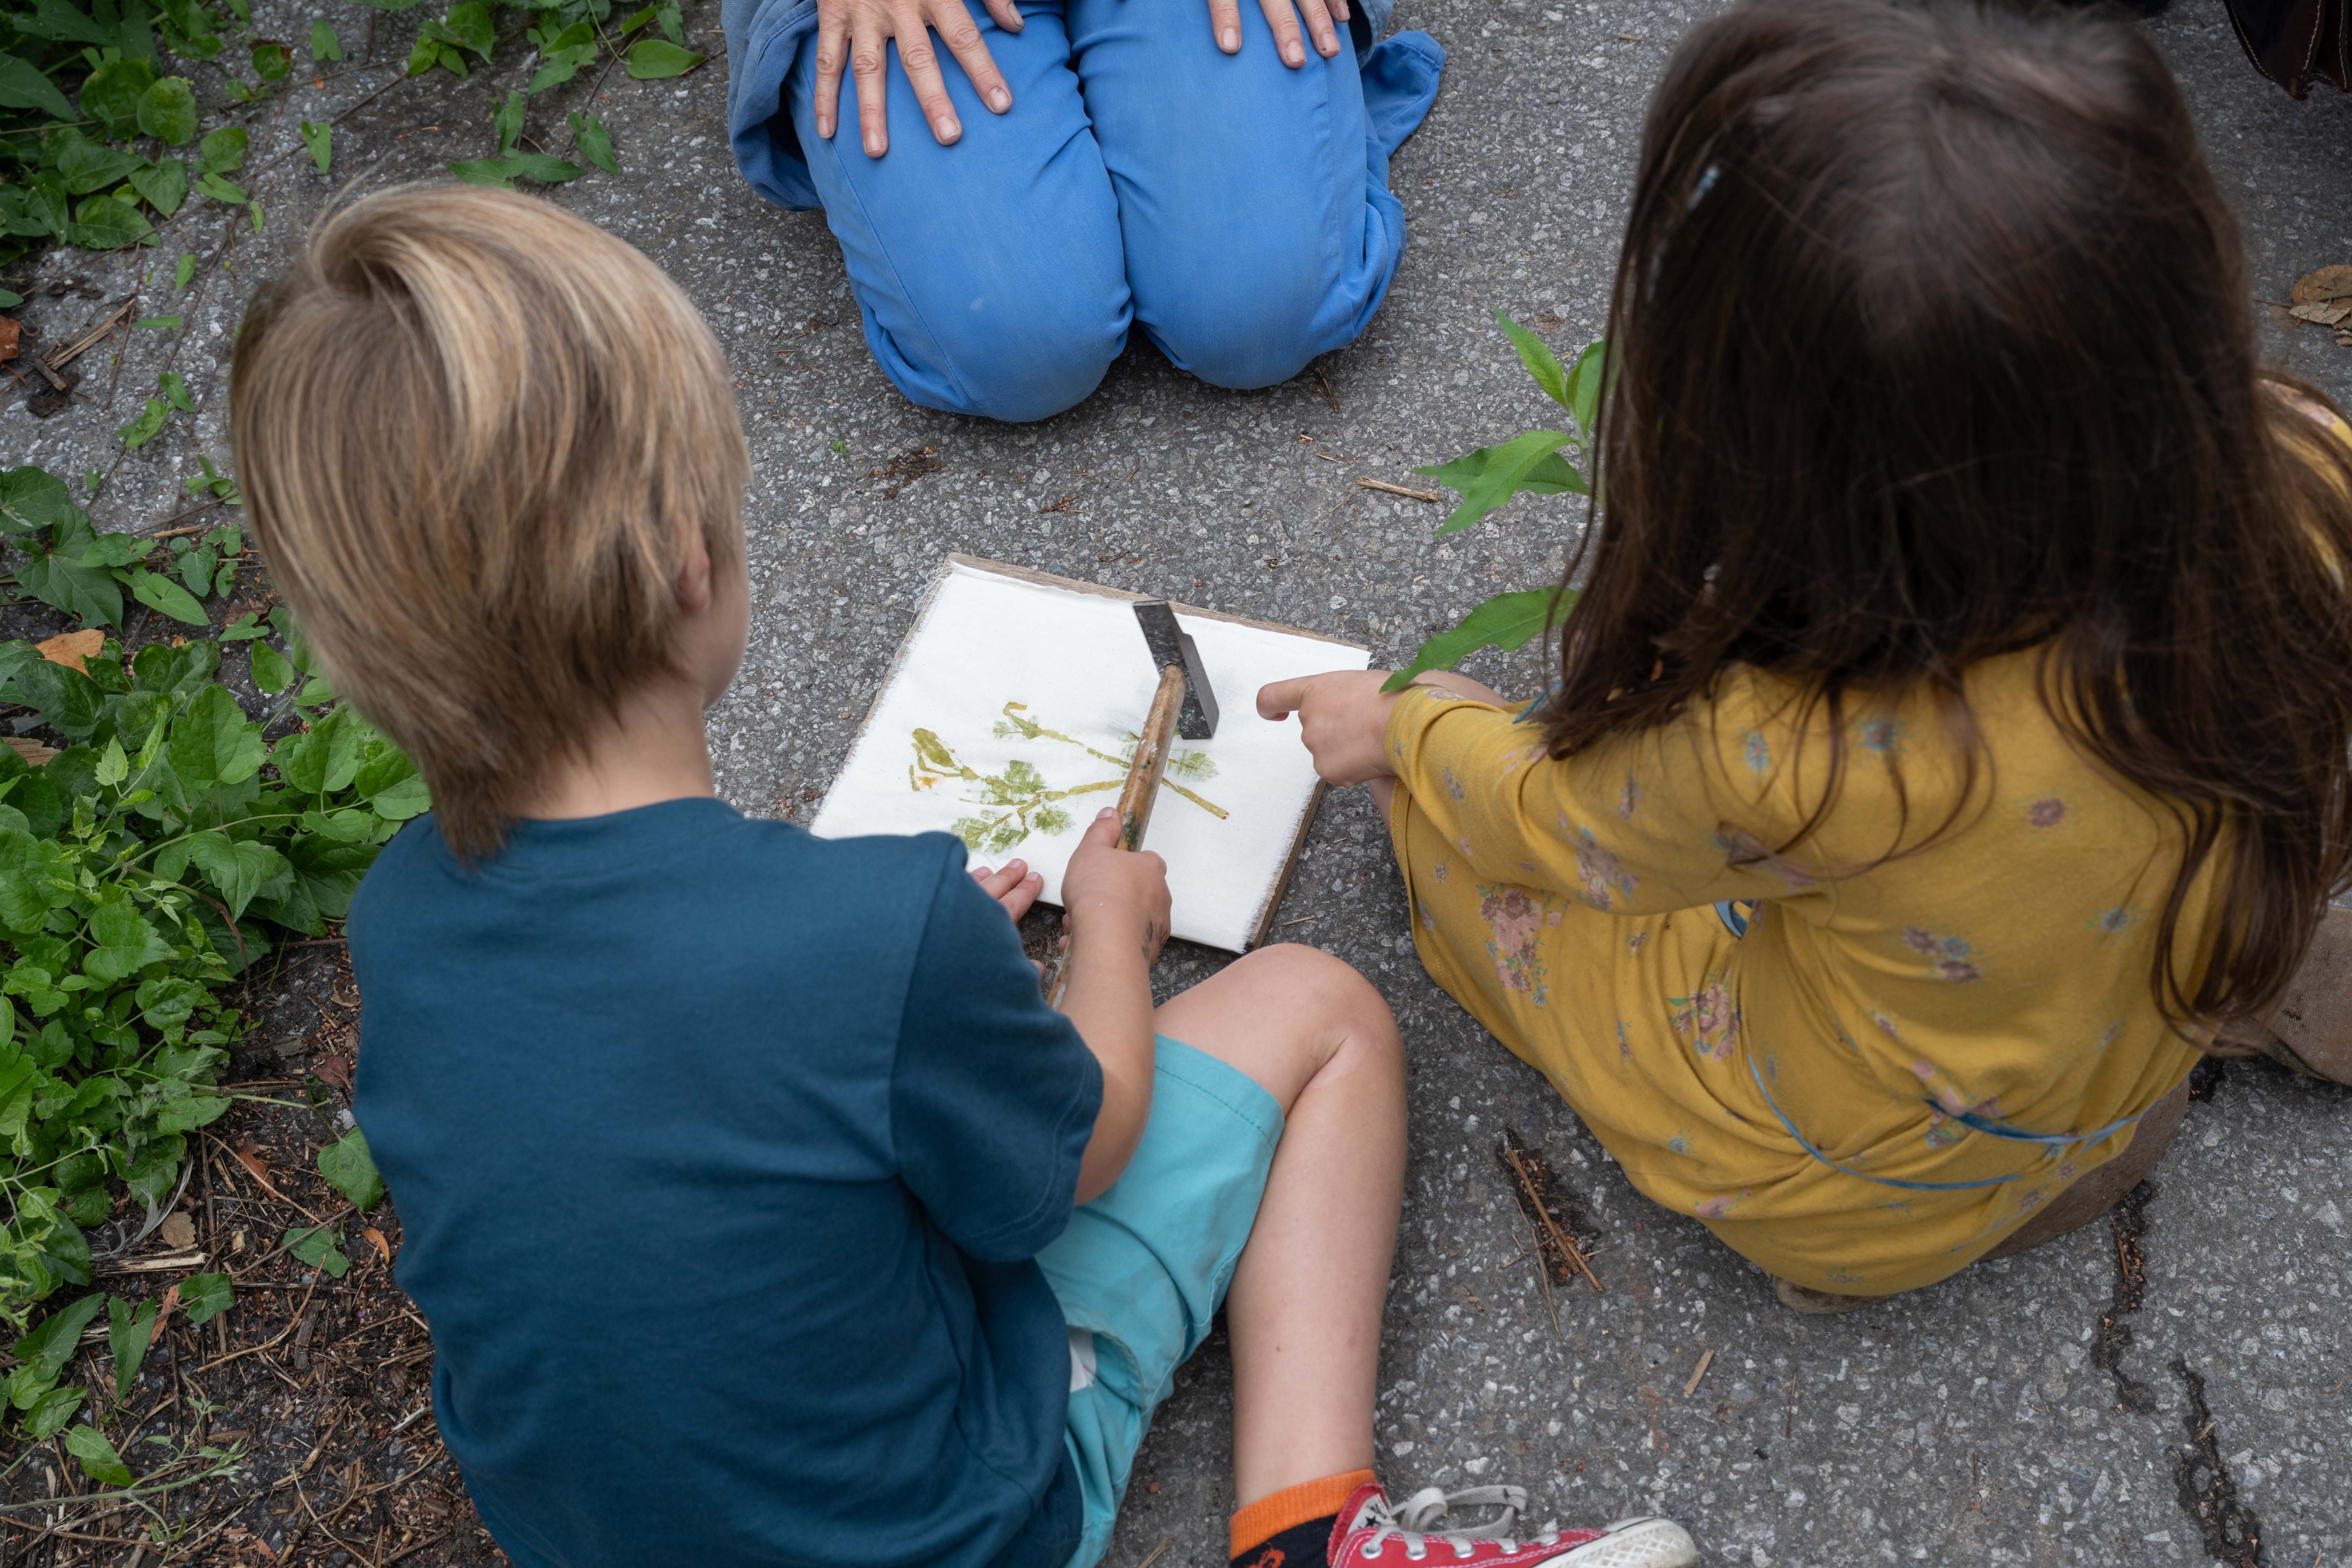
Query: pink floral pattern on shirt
(1516,921)
(1708,1017)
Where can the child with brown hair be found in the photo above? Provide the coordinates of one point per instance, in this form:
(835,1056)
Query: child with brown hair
(1952,732)
(762,1211)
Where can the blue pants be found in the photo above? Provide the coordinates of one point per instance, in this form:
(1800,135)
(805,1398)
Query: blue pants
(1236,209)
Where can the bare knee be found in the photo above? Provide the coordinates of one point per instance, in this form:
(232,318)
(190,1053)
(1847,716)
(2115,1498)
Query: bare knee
(1337,1016)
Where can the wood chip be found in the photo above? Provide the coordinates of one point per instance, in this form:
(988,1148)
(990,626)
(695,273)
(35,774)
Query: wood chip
(157,1265)
(1430,496)
(1706,1359)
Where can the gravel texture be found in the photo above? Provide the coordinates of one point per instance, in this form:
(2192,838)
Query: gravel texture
(1991,1419)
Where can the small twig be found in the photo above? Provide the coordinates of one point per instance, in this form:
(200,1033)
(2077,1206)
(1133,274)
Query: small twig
(1704,1360)
(1430,496)
(412,1551)
(1329,396)
(1156,1554)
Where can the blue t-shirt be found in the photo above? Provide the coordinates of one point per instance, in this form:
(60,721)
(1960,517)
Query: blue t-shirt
(722,1153)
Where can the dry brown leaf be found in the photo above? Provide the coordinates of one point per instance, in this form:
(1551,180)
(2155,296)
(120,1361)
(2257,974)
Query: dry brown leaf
(163,1309)
(72,647)
(251,1161)
(33,752)
(11,331)
(336,1069)
(2327,283)
(2325,313)
(179,1232)
(375,1238)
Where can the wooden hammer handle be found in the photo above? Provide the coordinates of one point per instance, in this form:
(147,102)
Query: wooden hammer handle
(1140,793)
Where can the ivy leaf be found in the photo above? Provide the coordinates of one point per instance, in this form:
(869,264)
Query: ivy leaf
(128,1335)
(317,1246)
(656,59)
(99,1459)
(112,93)
(596,143)
(60,20)
(547,168)
(320,141)
(203,1297)
(215,743)
(508,123)
(163,187)
(158,591)
(351,1170)
(174,387)
(108,223)
(122,942)
(1506,621)
(59,578)
(324,45)
(223,150)
(51,1411)
(183,274)
(168,110)
(271,673)
(22,86)
(46,1351)
(271,60)
(145,428)
(1491,475)
(86,165)
(31,498)
(668,17)
(225,192)
(469,23)
(242,869)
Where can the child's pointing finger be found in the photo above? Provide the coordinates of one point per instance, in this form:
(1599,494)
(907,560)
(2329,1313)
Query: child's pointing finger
(1280,699)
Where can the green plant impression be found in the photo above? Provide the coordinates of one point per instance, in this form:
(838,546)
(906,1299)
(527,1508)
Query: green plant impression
(1020,801)
(1532,463)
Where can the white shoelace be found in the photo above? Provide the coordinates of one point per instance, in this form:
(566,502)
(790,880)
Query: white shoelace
(1414,1521)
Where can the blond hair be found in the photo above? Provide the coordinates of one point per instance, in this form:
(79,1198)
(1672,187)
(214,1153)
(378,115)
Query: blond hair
(476,435)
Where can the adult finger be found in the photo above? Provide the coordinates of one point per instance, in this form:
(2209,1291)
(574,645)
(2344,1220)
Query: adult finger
(955,28)
(1318,24)
(1007,13)
(869,53)
(1281,699)
(1284,22)
(832,53)
(1226,24)
(921,61)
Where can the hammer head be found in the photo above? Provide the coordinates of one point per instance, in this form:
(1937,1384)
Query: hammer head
(1171,645)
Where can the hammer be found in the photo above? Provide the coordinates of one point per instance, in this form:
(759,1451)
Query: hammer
(1184,704)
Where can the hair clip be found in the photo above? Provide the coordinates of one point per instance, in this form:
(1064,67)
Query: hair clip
(1706,183)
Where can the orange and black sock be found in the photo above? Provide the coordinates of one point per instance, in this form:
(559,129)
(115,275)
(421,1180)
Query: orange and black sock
(1291,1528)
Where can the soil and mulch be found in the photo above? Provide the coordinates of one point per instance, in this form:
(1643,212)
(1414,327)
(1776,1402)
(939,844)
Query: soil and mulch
(318,1387)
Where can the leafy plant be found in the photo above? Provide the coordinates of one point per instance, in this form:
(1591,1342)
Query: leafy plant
(1532,462)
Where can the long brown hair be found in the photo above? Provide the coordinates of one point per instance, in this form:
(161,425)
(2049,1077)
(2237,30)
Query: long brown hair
(1931,340)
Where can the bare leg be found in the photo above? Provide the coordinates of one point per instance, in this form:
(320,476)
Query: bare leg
(1305,1308)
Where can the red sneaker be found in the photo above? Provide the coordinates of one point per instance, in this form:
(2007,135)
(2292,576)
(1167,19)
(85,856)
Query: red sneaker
(1373,1531)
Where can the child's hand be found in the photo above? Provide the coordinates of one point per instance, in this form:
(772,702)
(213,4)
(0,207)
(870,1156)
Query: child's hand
(1015,885)
(1343,718)
(1112,897)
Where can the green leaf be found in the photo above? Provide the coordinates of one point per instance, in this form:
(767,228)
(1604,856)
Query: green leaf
(86,165)
(324,45)
(214,742)
(128,1336)
(31,498)
(60,579)
(147,426)
(185,272)
(47,1348)
(204,1297)
(350,1171)
(271,673)
(1506,621)
(108,223)
(173,386)
(67,23)
(596,143)
(668,17)
(241,868)
(168,110)
(22,86)
(421,57)
(10,299)
(636,21)
(51,1411)
(508,123)
(404,800)
(158,591)
(223,150)
(122,942)
(469,23)
(317,1246)
(503,171)
(656,59)
(1491,475)
(113,763)
(112,93)
(320,141)
(226,192)
(271,60)
(71,700)
(1584,387)
(255,209)
(99,1459)
(163,187)
(1540,360)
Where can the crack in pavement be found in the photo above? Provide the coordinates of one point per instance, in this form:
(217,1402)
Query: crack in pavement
(2128,1221)
(2232,1532)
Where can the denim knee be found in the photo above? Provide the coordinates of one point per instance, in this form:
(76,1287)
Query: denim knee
(1245,331)
(1026,357)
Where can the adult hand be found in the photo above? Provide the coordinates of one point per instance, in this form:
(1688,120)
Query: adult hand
(1113,897)
(1225,20)
(860,33)
(1343,718)
(1013,885)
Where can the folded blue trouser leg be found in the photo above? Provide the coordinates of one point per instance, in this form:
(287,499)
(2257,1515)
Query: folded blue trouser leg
(1238,209)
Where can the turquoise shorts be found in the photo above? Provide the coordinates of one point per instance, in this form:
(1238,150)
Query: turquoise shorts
(1142,1270)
